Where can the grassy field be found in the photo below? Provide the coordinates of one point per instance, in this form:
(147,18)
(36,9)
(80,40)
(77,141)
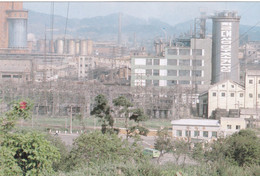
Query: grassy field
(45,123)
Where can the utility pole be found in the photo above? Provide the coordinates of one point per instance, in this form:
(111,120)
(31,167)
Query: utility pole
(70,119)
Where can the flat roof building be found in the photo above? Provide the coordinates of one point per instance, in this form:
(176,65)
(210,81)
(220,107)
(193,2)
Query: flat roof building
(185,63)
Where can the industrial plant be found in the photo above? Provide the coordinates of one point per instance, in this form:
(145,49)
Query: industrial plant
(174,81)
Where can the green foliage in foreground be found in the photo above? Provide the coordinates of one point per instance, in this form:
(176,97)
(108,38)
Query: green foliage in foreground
(98,149)
(31,152)
(169,169)
(241,149)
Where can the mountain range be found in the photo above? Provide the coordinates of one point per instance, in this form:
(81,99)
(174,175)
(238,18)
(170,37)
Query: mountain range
(102,28)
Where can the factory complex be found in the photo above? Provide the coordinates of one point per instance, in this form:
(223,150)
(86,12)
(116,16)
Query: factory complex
(194,76)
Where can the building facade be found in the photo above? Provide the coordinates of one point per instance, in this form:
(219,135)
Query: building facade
(205,129)
(229,95)
(182,64)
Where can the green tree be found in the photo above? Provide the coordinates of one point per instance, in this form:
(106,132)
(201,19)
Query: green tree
(8,165)
(124,106)
(95,149)
(56,141)
(103,112)
(243,148)
(180,148)
(163,142)
(138,116)
(198,152)
(32,152)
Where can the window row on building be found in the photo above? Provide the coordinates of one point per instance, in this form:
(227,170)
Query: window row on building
(169,72)
(192,134)
(186,52)
(12,76)
(169,62)
(139,82)
(223,94)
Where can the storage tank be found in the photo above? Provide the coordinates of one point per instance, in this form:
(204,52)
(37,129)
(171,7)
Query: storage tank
(225,43)
(77,47)
(17,28)
(40,46)
(89,47)
(59,46)
(72,47)
(83,47)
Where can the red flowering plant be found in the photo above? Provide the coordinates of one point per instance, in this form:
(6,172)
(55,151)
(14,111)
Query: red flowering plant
(18,109)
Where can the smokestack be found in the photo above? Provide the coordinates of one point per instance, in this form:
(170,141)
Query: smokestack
(119,28)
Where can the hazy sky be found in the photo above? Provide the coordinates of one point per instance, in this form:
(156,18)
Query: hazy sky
(170,12)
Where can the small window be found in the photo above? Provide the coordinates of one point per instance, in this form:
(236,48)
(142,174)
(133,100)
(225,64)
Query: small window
(223,85)
(156,82)
(172,51)
(156,61)
(258,81)
(86,65)
(232,94)
(6,76)
(232,86)
(148,82)
(171,62)
(184,72)
(171,82)
(179,133)
(214,94)
(237,127)
(250,81)
(229,126)
(172,73)
(188,133)
(241,94)
(80,65)
(148,72)
(205,134)
(155,72)
(223,94)
(184,62)
(214,134)
(258,95)
(250,95)
(196,133)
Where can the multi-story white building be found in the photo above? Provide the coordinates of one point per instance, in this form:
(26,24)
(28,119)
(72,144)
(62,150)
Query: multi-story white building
(186,63)
(85,63)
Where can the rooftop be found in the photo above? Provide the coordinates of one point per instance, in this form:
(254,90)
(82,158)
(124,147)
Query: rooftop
(195,122)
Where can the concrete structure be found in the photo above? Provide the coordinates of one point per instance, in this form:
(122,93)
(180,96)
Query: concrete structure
(252,91)
(85,64)
(185,63)
(229,95)
(13,27)
(16,69)
(204,129)
(226,95)
(225,43)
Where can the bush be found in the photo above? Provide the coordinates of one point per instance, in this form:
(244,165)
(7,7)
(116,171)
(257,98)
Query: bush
(31,152)
(99,149)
